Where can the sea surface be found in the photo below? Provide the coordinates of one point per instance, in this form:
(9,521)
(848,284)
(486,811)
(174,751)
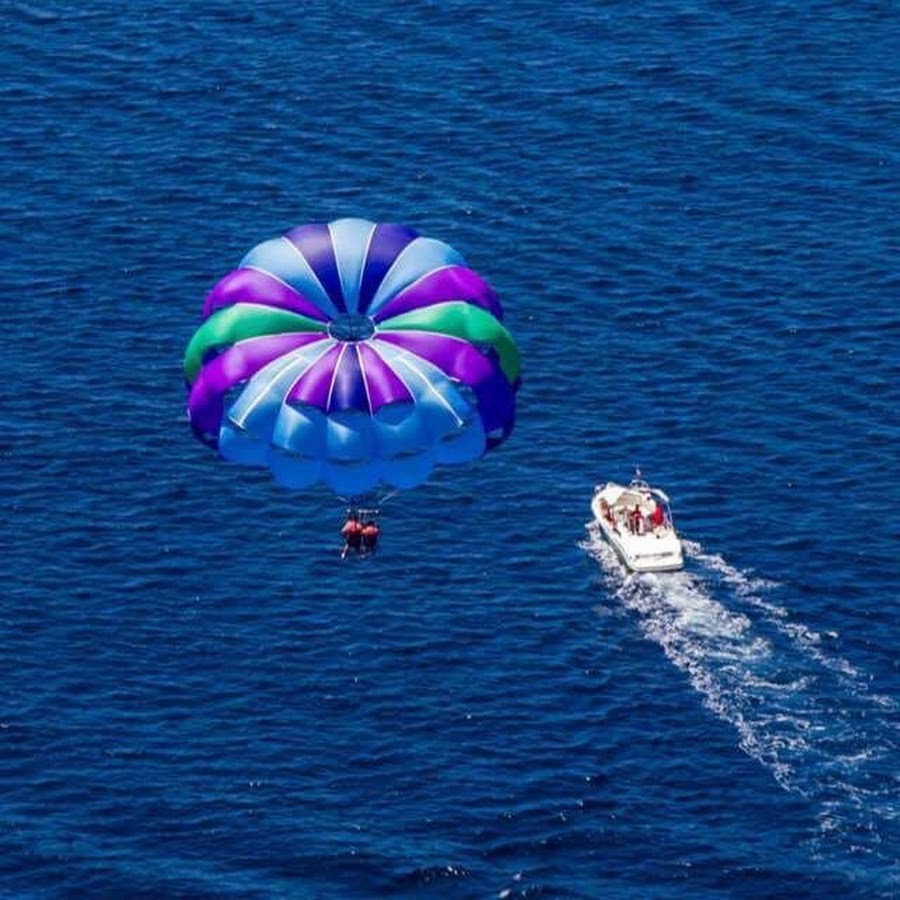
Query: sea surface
(691,214)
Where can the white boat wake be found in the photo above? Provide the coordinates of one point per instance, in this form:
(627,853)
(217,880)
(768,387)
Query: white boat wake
(800,709)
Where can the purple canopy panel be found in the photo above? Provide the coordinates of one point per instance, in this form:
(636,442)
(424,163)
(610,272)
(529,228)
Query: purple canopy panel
(387,243)
(314,386)
(254,286)
(236,364)
(348,390)
(382,382)
(441,286)
(315,244)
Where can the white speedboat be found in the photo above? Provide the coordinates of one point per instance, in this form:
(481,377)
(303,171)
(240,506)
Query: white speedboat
(637,522)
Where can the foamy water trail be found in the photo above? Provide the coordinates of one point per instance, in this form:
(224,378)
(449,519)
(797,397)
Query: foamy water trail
(799,709)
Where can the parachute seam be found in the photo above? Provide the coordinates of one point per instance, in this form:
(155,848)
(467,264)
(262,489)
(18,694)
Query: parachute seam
(337,265)
(365,380)
(334,371)
(362,268)
(271,275)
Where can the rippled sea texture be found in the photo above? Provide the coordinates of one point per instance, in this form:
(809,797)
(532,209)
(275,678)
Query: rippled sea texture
(690,215)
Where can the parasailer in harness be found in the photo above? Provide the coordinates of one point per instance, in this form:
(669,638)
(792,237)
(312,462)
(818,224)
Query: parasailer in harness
(370,533)
(353,533)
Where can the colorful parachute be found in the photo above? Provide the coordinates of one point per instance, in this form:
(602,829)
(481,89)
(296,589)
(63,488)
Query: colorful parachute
(356,354)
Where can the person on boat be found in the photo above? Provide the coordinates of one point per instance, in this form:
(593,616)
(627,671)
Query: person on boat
(370,532)
(658,516)
(352,532)
(635,519)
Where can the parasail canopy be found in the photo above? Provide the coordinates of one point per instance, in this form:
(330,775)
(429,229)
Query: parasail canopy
(356,354)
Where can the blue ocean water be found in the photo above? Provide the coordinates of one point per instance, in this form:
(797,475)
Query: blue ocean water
(690,213)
